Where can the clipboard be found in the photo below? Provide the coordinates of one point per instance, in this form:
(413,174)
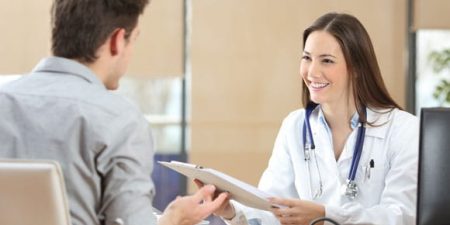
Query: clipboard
(239,190)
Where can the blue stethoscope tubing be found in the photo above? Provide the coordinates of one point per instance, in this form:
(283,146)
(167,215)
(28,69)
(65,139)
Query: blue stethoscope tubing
(351,190)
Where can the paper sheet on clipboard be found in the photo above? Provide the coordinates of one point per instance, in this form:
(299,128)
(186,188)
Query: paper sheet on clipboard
(239,190)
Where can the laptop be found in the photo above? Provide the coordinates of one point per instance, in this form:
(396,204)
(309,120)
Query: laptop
(32,193)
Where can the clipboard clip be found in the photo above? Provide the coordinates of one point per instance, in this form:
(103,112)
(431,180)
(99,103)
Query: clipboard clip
(198,167)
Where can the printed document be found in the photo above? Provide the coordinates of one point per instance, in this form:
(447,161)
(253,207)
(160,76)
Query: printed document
(239,190)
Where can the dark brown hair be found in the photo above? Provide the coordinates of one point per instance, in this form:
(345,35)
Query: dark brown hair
(365,76)
(80,27)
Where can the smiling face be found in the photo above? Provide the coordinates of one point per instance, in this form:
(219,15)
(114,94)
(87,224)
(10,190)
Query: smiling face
(324,70)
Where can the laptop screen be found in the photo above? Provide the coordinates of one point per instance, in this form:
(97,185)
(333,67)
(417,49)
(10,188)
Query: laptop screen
(32,192)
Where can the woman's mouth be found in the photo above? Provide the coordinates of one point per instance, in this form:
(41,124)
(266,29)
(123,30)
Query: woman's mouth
(318,85)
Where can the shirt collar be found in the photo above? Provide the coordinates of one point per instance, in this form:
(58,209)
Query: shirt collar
(378,117)
(354,121)
(64,66)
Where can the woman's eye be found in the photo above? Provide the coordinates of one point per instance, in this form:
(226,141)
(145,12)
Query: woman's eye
(305,57)
(327,61)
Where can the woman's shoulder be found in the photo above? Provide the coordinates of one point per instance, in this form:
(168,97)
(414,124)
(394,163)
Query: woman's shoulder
(293,119)
(295,115)
(402,116)
(396,123)
(393,115)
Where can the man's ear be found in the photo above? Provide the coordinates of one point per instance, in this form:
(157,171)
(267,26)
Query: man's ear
(117,41)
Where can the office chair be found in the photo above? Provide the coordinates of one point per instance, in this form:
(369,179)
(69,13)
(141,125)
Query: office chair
(433,201)
(32,193)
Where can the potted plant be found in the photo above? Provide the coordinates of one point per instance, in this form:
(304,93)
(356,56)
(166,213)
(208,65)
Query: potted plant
(440,61)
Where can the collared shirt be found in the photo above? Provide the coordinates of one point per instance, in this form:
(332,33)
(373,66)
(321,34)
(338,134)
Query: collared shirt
(354,122)
(62,111)
(387,188)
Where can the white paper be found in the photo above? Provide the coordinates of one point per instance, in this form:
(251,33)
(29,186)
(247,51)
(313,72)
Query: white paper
(239,190)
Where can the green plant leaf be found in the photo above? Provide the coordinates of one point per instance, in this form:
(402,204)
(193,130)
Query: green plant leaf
(436,96)
(447,99)
(440,60)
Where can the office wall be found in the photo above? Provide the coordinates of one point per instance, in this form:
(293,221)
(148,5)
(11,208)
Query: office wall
(159,50)
(26,36)
(431,14)
(245,59)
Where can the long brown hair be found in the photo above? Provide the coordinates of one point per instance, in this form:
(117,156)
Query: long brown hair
(365,76)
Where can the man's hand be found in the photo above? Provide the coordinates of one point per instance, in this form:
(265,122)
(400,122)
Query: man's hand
(225,210)
(191,210)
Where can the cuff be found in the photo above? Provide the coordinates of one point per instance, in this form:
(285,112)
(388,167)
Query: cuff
(333,213)
(238,219)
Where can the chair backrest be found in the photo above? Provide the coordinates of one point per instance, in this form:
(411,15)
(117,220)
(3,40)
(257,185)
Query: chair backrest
(433,200)
(32,193)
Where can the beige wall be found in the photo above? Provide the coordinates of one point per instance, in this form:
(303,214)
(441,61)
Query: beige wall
(245,58)
(159,50)
(431,14)
(25,27)
(25,38)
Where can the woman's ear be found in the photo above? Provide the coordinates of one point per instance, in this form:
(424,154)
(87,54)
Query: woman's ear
(117,41)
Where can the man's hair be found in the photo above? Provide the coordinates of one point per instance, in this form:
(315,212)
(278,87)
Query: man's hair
(80,27)
(365,75)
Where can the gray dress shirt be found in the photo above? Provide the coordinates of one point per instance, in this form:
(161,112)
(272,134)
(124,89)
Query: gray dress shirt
(62,111)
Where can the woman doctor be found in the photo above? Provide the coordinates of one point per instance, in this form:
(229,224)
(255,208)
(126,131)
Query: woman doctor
(351,154)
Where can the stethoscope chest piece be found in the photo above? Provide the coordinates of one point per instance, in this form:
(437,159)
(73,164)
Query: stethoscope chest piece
(350,189)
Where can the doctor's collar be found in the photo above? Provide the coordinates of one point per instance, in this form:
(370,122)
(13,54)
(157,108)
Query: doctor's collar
(354,121)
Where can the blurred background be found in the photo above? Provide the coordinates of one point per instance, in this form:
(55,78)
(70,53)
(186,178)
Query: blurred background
(215,78)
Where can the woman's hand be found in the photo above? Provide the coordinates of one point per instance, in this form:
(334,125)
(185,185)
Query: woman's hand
(226,210)
(297,211)
(190,210)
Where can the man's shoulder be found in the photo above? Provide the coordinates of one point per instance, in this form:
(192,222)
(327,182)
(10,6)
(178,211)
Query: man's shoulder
(63,90)
(110,103)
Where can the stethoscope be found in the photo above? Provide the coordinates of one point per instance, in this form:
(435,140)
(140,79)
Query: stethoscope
(350,188)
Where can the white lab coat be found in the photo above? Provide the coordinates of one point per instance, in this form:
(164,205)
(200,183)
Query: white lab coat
(387,197)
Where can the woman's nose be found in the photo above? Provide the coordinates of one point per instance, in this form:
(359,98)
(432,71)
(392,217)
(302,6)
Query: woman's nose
(313,70)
